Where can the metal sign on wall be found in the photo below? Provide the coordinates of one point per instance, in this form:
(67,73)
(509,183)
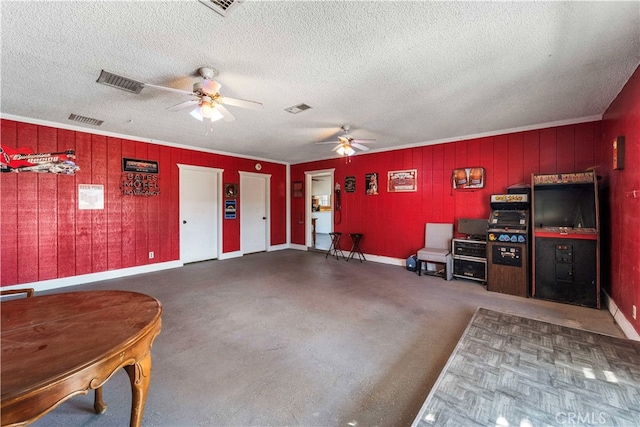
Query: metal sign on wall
(139,177)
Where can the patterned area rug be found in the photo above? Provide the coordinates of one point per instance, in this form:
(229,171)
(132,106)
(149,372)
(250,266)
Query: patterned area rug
(512,371)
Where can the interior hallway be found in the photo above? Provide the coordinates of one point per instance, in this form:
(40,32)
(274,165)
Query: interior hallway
(292,338)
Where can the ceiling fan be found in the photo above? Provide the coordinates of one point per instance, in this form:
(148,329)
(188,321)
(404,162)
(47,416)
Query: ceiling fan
(346,144)
(206,96)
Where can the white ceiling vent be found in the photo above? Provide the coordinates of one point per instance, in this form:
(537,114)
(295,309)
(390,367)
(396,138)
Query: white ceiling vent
(124,83)
(86,120)
(223,7)
(297,108)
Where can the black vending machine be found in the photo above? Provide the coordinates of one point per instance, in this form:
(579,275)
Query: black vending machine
(508,245)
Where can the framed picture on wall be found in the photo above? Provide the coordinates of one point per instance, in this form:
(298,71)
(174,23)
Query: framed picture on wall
(402,181)
(350,184)
(371,180)
(468,178)
(231,191)
(297,189)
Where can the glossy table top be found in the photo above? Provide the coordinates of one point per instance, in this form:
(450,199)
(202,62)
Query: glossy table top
(46,340)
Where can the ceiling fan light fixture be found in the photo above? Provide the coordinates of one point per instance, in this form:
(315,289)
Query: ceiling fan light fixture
(345,150)
(206,109)
(195,113)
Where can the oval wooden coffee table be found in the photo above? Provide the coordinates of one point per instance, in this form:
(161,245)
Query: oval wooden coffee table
(58,346)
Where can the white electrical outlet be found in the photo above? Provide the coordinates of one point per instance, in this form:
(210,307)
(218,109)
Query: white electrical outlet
(633,311)
(151,255)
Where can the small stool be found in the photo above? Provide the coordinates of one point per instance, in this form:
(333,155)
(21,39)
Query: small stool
(334,248)
(355,248)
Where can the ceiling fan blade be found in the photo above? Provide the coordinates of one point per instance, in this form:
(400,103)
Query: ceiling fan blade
(363,141)
(337,147)
(329,142)
(196,114)
(243,103)
(169,89)
(226,115)
(359,146)
(211,87)
(183,105)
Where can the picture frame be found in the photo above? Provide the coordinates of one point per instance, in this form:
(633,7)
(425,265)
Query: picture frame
(468,178)
(231,190)
(402,181)
(371,184)
(350,184)
(297,189)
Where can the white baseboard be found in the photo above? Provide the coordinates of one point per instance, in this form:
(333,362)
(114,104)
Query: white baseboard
(278,247)
(297,247)
(46,285)
(229,255)
(620,318)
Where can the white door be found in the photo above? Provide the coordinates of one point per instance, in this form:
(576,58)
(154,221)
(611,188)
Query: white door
(198,214)
(254,222)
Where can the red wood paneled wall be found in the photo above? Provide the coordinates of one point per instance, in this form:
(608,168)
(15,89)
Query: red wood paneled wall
(621,237)
(45,236)
(393,223)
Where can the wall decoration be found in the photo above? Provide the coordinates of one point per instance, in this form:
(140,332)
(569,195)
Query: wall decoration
(350,184)
(402,181)
(231,190)
(26,160)
(135,165)
(90,196)
(372,183)
(618,153)
(229,209)
(140,184)
(297,189)
(468,178)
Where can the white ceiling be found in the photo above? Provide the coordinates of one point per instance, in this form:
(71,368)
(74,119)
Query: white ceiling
(404,73)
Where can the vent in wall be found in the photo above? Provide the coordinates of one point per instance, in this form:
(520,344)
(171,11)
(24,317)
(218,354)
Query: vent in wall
(85,120)
(223,7)
(297,108)
(124,83)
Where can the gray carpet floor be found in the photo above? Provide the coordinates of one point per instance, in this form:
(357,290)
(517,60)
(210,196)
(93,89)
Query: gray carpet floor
(509,370)
(292,338)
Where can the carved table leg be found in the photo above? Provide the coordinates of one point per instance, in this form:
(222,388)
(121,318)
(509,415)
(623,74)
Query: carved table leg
(140,377)
(98,404)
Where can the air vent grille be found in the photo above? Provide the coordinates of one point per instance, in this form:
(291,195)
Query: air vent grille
(86,120)
(124,83)
(223,7)
(297,108)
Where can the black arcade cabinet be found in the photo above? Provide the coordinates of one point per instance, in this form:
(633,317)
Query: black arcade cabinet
(566,238)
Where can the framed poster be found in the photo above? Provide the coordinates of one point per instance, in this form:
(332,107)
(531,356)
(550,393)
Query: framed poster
(402,181)
(90,196)
(297,189)
(468,178)
(350,184)
(371,180)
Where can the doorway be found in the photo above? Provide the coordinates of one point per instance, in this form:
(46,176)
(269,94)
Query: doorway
(254,207)
(319,209)
(200,224)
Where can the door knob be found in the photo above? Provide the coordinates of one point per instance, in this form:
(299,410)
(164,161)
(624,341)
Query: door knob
(264,217)
(184,222)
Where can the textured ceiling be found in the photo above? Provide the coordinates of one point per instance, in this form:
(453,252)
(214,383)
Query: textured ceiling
(404,73)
